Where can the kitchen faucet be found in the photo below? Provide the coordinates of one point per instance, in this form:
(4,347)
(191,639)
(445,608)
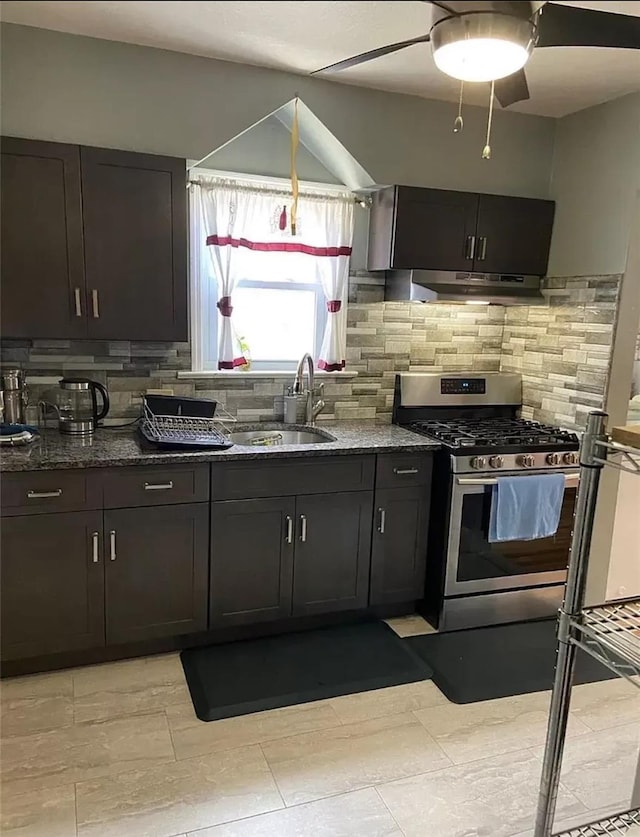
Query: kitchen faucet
(311,410)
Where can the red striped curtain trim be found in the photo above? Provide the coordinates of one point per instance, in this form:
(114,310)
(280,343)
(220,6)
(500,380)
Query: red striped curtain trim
(231,364)
(276,246)
(331,367)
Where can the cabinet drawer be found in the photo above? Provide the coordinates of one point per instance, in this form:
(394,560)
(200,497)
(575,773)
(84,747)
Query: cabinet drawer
(38,492)
(126,487)
(316,475)
(395,470)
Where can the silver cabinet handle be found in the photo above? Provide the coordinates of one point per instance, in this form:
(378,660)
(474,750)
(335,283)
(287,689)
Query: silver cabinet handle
(303,528)
(44,495)
(112,544)
(95,304)
(289,536)
(383,520)
(482,241)
(158,486)
(470,246)
(78,301)
(402,471)
(94,547)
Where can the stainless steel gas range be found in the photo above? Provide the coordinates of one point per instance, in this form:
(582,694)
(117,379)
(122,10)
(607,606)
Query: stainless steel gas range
(471,581)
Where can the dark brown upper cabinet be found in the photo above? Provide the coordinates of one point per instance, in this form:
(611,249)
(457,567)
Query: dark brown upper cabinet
(437,229)
(135,232)
(43,292)
(513,235)
(94,243)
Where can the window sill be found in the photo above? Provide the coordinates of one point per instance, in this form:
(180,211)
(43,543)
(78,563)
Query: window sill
(236,375)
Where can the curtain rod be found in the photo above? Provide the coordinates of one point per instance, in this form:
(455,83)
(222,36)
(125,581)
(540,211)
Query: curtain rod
(360,200)
(279,186)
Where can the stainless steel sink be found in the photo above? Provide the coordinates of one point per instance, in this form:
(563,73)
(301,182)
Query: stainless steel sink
(270,438)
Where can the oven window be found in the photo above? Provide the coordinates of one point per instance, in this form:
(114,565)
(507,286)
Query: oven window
(480,559)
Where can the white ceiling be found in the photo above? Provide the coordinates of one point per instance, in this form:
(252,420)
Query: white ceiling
(304,36)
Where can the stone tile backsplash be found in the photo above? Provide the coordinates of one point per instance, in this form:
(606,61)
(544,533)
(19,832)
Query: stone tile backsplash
(561,349)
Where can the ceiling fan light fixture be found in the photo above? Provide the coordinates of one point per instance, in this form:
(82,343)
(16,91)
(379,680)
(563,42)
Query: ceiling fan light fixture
(482,46)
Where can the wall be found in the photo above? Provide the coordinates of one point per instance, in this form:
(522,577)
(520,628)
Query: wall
(266,150)
(83,90)
(382,338)
(596,184)
(595,176)
(563,349)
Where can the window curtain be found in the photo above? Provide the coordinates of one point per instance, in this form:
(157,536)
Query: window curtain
(244,222)
(332,271)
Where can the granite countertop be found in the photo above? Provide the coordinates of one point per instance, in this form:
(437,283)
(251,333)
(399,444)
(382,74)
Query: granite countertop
(115,447)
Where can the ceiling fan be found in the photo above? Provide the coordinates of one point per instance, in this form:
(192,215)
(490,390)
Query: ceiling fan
(492,40)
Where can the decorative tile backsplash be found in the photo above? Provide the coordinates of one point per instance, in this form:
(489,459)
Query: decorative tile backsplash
(562,350)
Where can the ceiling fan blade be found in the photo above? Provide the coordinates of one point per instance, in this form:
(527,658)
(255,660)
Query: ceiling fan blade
(511,89)
(573,26)
(369,56)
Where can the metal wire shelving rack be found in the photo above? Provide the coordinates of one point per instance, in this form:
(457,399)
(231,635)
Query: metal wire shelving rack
(609,632)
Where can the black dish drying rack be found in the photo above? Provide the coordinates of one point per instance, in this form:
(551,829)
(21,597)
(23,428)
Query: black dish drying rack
(172,422)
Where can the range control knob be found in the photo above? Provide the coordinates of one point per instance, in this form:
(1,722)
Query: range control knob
(496,461)
(527,461)
(571,458)
(479,463)
(553,459)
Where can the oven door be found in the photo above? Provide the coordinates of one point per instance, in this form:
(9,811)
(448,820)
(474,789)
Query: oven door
(474,565)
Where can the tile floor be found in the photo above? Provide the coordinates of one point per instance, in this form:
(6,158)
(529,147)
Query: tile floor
(116,751)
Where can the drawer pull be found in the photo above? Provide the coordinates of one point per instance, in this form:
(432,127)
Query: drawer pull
(158,486)
(402,471)
(112,543)
(289,537)
(383,520)
(303,528)
(94,545)
(44,495)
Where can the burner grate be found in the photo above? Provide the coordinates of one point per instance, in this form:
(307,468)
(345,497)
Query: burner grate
(496,432)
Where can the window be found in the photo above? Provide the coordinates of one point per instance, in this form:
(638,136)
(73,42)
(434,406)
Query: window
(261,298)
(276,320)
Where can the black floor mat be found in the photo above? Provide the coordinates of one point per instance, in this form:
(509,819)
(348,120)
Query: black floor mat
(252,675)
(487,663)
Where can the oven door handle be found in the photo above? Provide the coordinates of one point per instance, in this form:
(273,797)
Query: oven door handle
(570,481)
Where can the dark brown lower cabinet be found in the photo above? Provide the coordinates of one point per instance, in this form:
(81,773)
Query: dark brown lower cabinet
(399,548)
(251,561)
(52,584)
(156,571)
(332,555)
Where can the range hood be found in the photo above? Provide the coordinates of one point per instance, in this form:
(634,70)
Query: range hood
(448,286)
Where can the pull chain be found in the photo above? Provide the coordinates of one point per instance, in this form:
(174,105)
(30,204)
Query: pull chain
(458,125)
(486,151)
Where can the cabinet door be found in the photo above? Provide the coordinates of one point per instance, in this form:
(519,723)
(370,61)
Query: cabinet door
(434,229)
(399,548)
(514,235)
(332,557)
(41,241)
(251,560)
(135,228)
(156,571)
(52,592)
